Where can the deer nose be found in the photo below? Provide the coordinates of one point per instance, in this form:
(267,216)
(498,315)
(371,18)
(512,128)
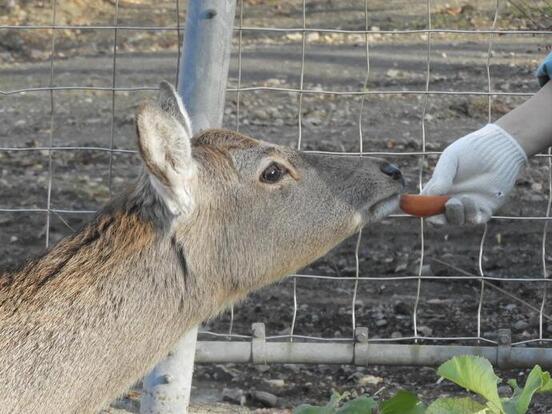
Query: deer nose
(391,170)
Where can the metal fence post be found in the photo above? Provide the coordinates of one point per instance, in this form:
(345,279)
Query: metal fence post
(202,84)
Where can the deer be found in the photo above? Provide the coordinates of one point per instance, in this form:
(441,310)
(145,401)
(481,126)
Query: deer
(210,218)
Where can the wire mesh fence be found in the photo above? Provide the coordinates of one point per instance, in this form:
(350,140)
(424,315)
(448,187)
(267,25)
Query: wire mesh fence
(325,55)
(419,277)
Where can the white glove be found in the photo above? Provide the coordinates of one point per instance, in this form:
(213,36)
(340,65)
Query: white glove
(477,171)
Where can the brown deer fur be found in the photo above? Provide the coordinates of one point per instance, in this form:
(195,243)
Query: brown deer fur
(199,230)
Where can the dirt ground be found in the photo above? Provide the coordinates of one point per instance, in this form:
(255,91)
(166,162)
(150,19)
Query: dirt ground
(391,123)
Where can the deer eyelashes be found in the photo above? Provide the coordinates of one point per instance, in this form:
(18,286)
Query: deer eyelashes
(273,173)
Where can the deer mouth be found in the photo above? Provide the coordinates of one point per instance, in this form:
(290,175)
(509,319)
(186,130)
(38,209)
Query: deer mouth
(382,208)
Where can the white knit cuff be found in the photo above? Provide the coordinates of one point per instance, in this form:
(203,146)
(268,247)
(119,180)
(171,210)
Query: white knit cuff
(506,135)
(500,151)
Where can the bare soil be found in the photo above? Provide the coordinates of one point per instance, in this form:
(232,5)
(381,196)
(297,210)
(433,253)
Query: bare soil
(391,123)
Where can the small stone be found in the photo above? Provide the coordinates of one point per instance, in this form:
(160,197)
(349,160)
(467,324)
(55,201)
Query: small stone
(260,114)
(273,82)
(313,120)
(369,380)
(402,308)
(273,112)
(296,368)
(276,383)
(396,334)
(392,73)
(36,54)
(425,330)
(381,322)
(504,390)
(262,368)
(438,301)
(313,37)
(13,239)
(520,325)
(294,36)
(265,398)
(535,197)
(234,396)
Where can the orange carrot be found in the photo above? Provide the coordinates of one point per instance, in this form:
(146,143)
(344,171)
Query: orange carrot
(423,205)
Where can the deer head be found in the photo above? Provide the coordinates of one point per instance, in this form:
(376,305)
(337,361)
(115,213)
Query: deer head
(249,211)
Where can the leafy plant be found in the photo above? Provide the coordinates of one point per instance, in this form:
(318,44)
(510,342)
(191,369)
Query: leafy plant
(477,375)
(403,402)
(359,405)
(473,373)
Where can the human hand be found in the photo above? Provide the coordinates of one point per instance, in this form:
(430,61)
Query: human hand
(477,171)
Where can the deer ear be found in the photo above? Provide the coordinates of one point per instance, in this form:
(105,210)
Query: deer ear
(171,103)
(164,135)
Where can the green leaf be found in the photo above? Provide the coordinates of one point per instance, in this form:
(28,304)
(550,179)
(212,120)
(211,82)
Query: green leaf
(456,406)
(513,383)
(330,408)
(361,405)
(546,382)
(403,402)
(507,403)
(520,400)
(475,374)
(509,406)
(311,409)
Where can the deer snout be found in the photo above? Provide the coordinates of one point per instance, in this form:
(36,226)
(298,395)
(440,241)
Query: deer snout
(392,171)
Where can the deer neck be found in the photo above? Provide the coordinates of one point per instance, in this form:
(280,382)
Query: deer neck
(124,260)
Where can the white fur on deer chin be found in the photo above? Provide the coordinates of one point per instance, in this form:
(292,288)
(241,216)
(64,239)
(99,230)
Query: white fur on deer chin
(358,222)
(383,208)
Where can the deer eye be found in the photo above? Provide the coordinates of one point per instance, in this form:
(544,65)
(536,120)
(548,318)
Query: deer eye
(273,173)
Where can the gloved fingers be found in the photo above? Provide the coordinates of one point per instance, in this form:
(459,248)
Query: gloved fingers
(463,210)
(474,213)
(436,186)
(443,175)
(471,210)
(484,215)
(454,211)
(438,220)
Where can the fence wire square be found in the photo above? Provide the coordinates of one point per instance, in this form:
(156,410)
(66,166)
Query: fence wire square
(353,87)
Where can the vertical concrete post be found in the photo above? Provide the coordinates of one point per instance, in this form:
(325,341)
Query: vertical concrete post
(202,84)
